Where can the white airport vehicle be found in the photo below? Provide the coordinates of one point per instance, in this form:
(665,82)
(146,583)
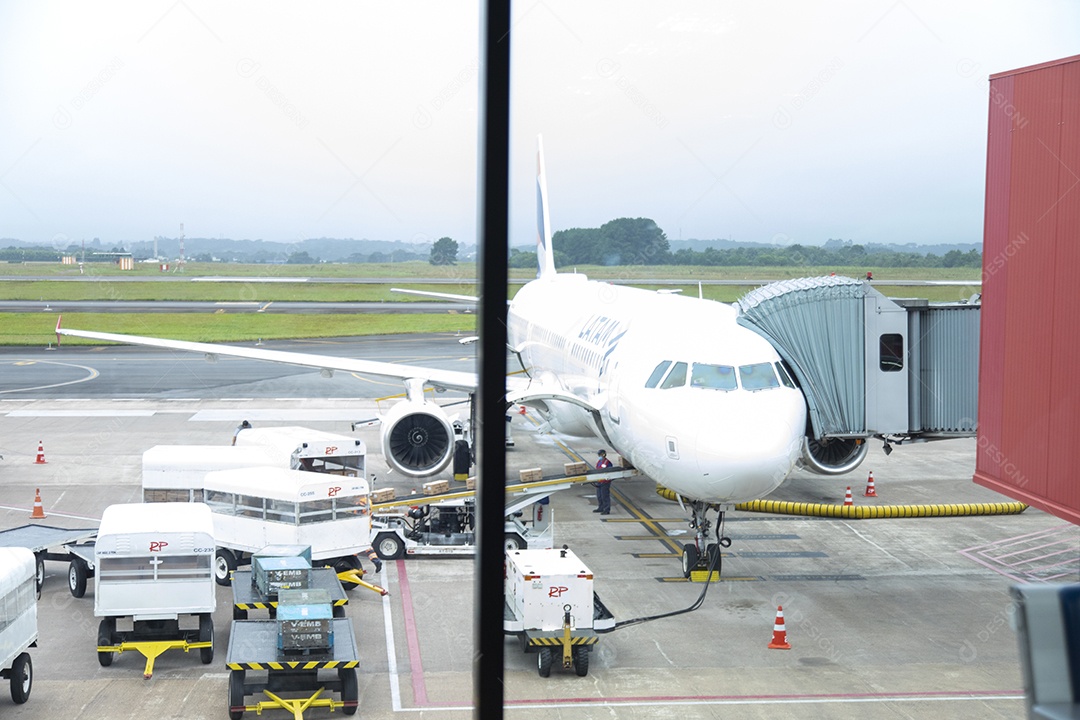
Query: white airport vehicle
(71,545)
(552,609)
(18,624)
(260,506)
(174,473)
(154,569)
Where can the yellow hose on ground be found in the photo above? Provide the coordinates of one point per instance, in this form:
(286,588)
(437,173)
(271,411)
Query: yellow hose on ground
(867,512)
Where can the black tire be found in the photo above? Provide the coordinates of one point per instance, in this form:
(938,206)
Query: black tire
(350,690)
(77,574)
(389,546)
(344,564)
(513,541)
(206,633)
(236,694)
(545,658)
(690,557)
(224,566)
(105,637)
(22,678)
(712,556)
(581,660)
(39,574)
(239,613)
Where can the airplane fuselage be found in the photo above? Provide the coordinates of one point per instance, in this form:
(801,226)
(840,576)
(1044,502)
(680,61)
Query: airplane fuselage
(693,399)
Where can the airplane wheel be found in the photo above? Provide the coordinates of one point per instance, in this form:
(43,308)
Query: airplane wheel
(712,556)
(224,566)
(22,678)
(77,577)
(581,660)
(544,660)
(690,557)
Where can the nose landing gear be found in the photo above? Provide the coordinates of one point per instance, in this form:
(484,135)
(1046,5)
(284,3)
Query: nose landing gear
(701,558)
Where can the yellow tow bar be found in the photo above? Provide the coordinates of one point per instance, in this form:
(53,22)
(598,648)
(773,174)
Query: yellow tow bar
(296,706)
(356,577)
(152,648)
(567,641)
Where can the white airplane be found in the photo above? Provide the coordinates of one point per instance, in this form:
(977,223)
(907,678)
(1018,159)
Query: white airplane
(702,405)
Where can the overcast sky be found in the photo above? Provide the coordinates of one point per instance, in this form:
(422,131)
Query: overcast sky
(773,122)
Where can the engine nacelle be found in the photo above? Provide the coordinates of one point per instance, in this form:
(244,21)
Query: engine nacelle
(833,456)
(417,439)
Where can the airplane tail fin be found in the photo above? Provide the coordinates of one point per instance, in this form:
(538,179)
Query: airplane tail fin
(545,254)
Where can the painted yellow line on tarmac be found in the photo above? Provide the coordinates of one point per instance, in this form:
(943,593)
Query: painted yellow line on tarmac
(650,524)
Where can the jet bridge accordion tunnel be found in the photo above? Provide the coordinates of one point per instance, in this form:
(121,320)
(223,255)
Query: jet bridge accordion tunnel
(870,366)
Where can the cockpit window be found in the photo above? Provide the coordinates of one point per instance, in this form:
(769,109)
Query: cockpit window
(784,376)
(675,378)
(658,373)
(714,377)
(759,376)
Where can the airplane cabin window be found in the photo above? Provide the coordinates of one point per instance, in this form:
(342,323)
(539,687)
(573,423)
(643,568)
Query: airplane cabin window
(658,373)
(784,376)
(675,378)
(713,377)
(759,376)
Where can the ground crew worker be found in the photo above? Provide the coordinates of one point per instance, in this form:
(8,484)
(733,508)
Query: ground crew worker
(603,487)
(242,426)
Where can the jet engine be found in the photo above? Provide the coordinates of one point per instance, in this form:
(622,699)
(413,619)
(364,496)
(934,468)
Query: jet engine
(417,438)
(833,456)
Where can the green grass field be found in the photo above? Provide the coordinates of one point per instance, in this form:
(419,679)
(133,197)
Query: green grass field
(225,326)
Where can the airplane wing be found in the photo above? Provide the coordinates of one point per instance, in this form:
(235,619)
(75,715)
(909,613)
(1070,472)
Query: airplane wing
(448,379)
(443,296)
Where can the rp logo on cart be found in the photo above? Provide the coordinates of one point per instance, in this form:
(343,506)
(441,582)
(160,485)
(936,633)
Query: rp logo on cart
(331,492)
(158,546)
(557,590)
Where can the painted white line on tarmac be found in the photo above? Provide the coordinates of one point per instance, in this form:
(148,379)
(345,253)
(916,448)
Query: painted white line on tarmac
(81,413)
(391,656)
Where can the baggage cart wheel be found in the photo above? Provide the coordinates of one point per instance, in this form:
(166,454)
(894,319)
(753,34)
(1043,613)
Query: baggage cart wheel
(690,557)
(350,689)
(22,678)
(224,565)
(388,546)
(239,613)
(581,660)
(544,660)
(105,637)
(344,564)
(77,574)
(206,634)
(236,694)
(39,573)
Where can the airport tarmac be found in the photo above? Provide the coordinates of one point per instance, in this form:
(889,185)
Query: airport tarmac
(886,618)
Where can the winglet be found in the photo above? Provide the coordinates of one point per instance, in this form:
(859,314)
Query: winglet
(545,254)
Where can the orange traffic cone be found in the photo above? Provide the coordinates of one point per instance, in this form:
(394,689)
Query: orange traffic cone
(779,633)
(870,492)
(40,460)
(39,511)
(847,497)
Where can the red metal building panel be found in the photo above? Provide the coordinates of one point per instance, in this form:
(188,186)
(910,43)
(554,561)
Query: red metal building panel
(1028,397)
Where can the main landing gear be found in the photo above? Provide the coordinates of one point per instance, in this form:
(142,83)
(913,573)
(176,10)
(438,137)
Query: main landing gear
(701,554)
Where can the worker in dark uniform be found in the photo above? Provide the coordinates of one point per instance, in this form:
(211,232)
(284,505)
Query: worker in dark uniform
(603,486)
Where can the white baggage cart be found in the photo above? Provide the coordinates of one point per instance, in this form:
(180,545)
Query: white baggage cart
(155,569)
(256,507)
(18,619)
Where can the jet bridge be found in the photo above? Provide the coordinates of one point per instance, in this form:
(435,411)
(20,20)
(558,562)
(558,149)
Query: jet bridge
(868,365)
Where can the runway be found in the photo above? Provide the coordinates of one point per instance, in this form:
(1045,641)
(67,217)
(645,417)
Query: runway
(272,307)
(905,618)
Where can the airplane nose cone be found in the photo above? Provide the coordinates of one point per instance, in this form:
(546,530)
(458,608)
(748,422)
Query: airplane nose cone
(746,455)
